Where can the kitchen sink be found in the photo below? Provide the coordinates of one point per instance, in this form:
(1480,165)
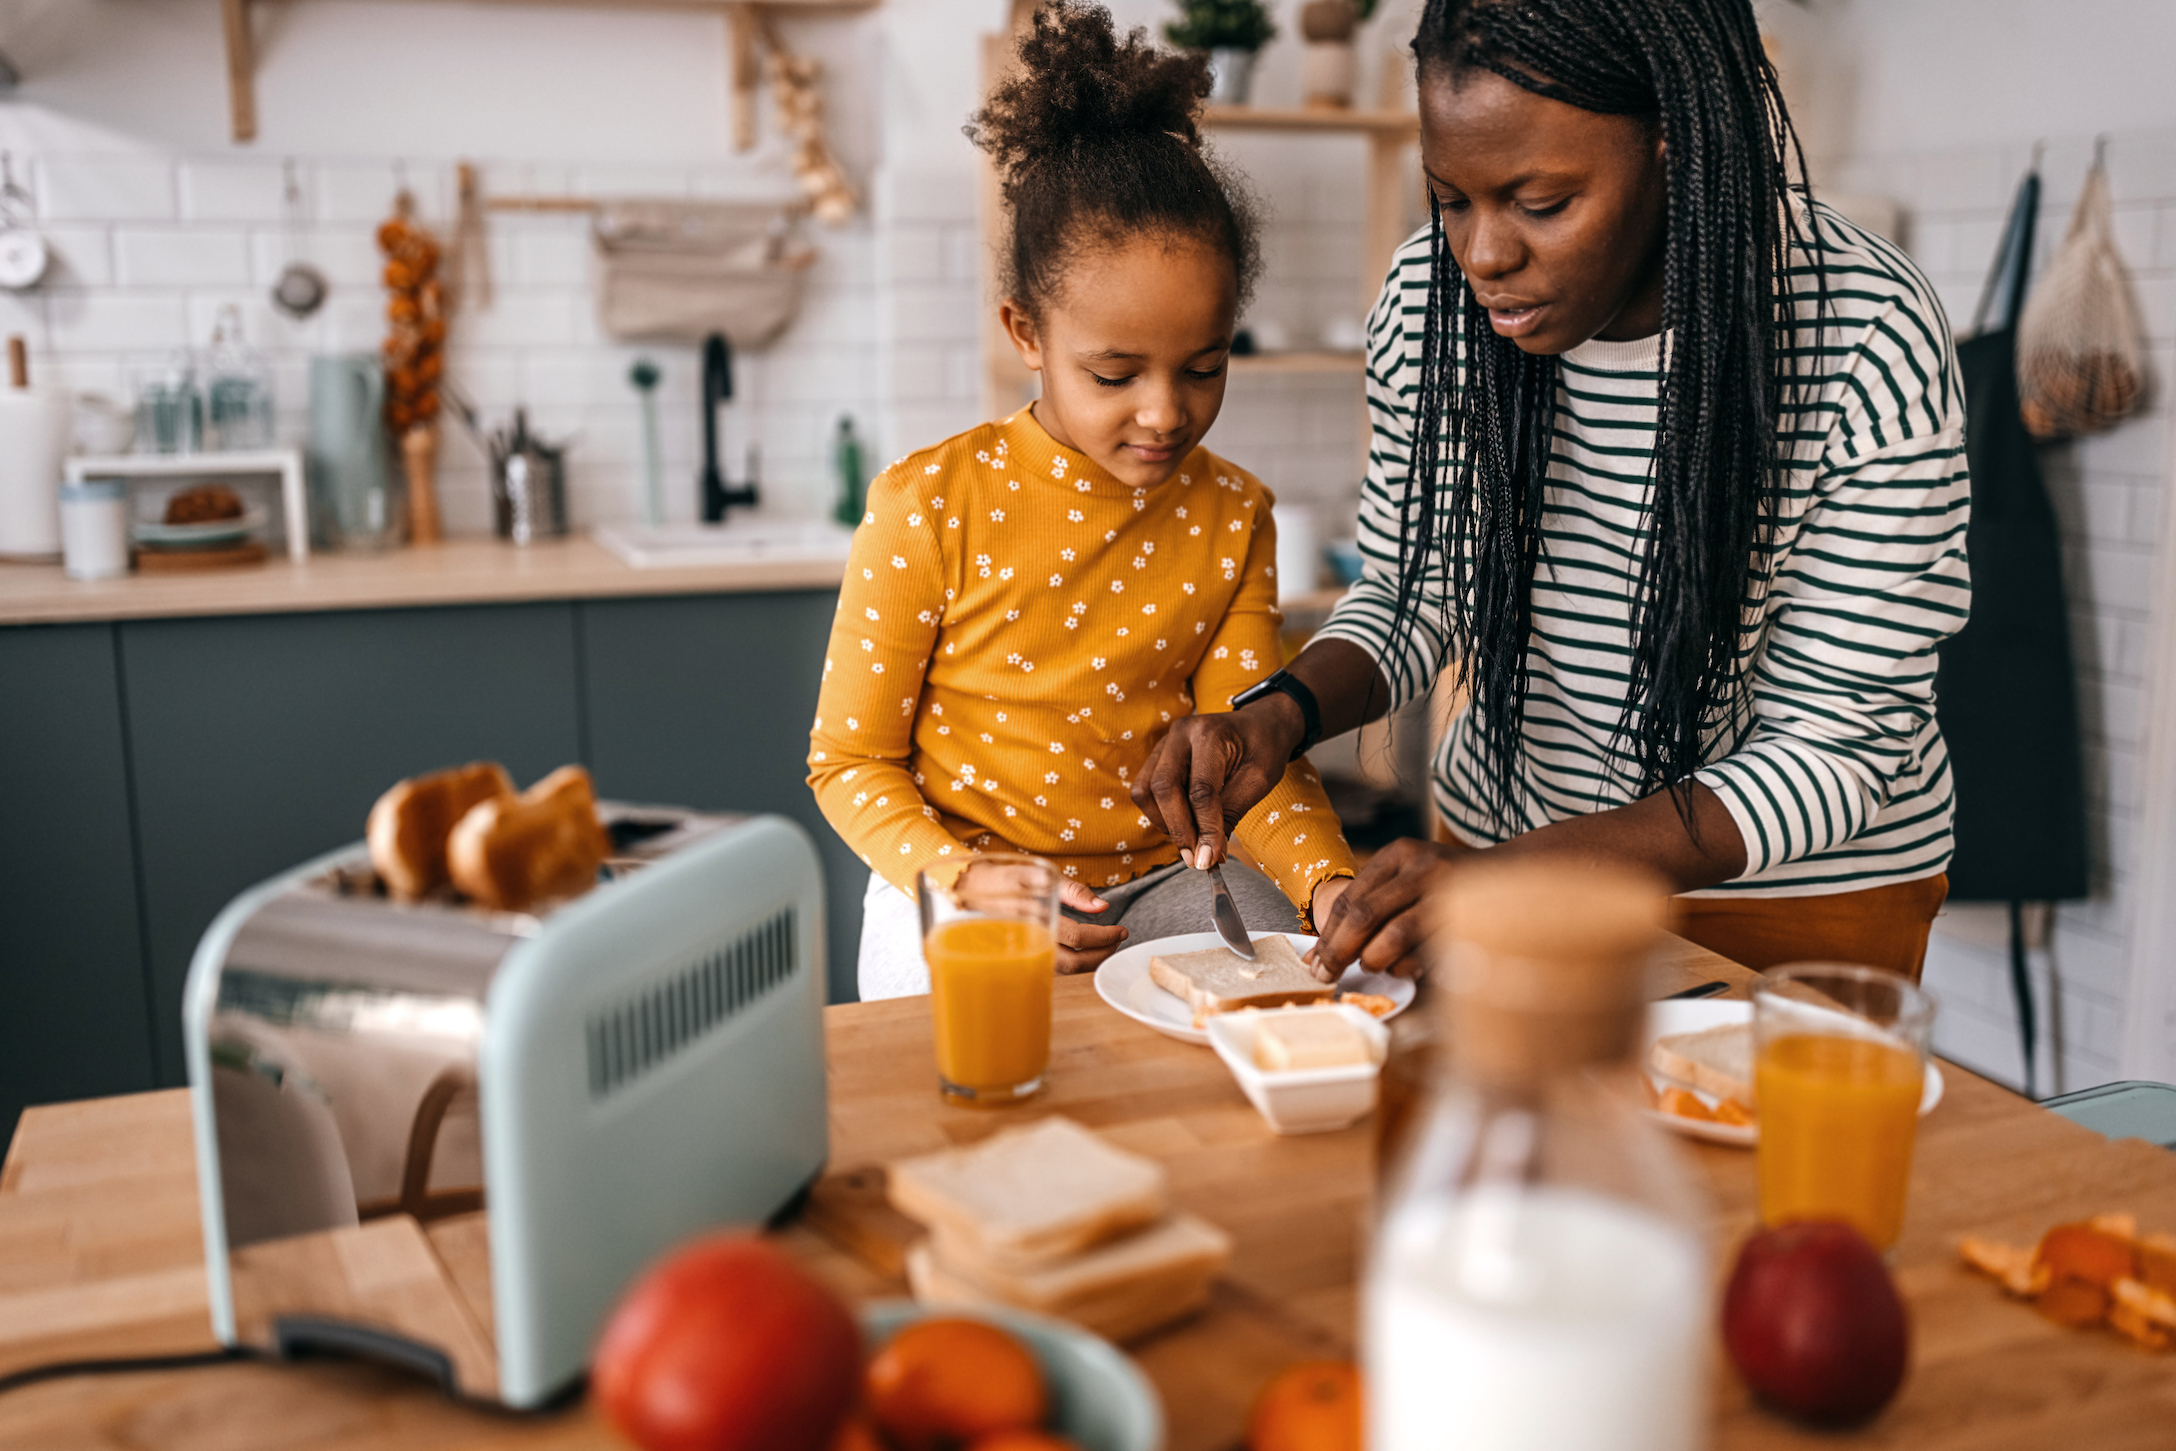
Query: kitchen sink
(744,541)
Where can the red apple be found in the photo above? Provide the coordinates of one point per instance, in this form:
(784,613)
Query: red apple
(727,1345)
(1813,1322)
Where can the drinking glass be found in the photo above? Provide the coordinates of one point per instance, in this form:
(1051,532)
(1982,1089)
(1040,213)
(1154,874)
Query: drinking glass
(169,407)
(1840,1054)
(990,938)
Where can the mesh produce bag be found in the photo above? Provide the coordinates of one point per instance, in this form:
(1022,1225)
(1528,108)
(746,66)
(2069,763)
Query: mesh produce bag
(2078,353)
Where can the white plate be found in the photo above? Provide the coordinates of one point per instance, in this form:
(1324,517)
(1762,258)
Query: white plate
(1667,1017)
(1124,983)
(198,536)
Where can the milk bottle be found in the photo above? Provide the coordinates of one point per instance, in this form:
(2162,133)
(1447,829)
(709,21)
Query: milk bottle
(1538,1280)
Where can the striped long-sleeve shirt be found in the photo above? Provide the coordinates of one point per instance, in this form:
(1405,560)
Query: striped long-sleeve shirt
(1842,781)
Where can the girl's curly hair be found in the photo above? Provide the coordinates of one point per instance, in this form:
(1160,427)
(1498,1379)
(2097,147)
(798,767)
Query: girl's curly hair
(1097,141)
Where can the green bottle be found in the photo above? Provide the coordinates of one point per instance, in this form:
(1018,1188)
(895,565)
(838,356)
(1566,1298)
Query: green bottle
(846,457)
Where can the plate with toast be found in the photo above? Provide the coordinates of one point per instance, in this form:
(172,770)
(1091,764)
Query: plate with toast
(1174,983)
(1699,1071)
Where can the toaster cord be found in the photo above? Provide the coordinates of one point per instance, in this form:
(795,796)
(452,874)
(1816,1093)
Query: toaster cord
(120,1365)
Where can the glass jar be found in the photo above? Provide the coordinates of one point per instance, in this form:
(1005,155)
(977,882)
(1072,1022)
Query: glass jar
(1539,1272)
(237,388)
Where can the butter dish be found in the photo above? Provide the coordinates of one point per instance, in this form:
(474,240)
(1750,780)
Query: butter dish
(1302,1101)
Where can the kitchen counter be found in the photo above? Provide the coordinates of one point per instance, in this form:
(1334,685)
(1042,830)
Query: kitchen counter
(457,572)
(100,1256)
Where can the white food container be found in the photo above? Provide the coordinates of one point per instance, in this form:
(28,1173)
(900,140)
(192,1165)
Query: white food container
(1302,1101)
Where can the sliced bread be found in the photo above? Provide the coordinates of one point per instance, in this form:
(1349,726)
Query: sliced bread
(1717,1061)
(1179,1248)
(1218,980)
(1026,1197)
(410,824)
(1171,1279)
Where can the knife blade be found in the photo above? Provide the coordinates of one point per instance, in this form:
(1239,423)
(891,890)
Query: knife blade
(1226,912)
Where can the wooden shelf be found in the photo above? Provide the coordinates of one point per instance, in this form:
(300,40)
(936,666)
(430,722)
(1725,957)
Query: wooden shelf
(1311,118)
(1299,362)
(743,20)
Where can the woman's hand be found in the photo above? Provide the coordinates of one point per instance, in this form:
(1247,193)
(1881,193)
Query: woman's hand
(1210,770)
(1376,921)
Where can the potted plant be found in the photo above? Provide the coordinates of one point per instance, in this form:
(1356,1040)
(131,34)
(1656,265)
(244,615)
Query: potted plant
(1328,65)
(1231,31)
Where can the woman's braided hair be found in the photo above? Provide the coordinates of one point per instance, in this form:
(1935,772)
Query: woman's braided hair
(1485,409)
(1097,139)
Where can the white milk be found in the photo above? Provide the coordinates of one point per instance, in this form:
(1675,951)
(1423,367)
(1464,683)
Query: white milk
(1538,1320)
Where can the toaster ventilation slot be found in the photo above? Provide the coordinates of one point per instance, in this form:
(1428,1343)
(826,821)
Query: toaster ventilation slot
(629,1040)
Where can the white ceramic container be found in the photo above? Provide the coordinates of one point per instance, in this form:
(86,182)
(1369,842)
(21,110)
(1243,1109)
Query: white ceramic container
(1303,1101)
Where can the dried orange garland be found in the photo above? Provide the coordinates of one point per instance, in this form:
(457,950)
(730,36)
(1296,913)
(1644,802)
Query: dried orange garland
(2096,1273)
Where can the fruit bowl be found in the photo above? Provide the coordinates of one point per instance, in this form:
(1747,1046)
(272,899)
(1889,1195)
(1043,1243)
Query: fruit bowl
(1098,1397)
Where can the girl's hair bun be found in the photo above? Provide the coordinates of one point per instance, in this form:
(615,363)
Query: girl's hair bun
(1079,80)
(1097,137)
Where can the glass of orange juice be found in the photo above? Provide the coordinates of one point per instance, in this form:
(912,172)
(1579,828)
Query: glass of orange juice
(990,938)
(1840,1056)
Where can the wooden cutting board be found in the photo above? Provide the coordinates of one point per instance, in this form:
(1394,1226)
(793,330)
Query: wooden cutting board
(188,561)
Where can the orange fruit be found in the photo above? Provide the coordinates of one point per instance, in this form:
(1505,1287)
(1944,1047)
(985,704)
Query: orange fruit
(856,1433)
(949,1380)
(1022,1441)
(1312,1406)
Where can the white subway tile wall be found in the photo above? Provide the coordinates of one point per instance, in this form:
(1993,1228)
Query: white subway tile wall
(2107,491)
(150,251)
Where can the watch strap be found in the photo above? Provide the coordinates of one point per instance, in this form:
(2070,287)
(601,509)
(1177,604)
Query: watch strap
(1286,683)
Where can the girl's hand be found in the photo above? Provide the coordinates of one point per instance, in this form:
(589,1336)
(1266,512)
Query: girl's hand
(1377,921)
(1082,946)
(1318,912)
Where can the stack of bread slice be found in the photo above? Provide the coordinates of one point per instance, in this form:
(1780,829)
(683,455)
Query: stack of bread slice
(1050,1218)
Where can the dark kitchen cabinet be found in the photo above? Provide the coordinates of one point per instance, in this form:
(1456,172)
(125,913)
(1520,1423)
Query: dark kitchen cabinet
(259,741)
(151,770)
(74,1006)
(706,700)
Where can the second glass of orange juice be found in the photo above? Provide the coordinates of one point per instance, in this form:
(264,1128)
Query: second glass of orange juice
(989,936)
(1839,1068)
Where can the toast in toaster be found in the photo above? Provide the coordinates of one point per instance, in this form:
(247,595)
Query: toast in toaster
(1218,980)
(512,852)
(409,824)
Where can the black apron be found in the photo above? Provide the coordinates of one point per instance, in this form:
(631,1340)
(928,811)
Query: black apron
(2005,691)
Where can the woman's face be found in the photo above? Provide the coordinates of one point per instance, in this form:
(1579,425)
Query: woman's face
(1133,354)
(1555,214)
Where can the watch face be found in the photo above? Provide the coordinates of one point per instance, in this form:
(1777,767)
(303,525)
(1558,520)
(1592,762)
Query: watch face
(22,258)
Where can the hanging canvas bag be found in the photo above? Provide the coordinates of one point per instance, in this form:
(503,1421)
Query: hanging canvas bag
(2078,351)
(680,271)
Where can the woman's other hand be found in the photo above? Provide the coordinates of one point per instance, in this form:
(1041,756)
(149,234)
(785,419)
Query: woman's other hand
(1376,921)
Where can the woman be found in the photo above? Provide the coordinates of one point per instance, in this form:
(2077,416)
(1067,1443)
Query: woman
(1668,459)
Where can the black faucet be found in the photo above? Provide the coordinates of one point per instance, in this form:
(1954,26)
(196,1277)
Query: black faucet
(718,390)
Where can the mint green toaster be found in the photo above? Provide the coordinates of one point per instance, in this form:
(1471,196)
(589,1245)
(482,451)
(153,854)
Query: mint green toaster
(448,1137)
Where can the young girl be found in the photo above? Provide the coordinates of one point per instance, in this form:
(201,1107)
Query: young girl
(1669,466)
(1030,604)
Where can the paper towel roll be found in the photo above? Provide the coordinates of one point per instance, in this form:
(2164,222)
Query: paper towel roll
(1299,550)
(34,428)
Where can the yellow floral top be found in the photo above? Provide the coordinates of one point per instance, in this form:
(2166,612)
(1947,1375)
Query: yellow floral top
(1016,628)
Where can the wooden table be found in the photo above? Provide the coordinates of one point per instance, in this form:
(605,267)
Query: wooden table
(100,1255)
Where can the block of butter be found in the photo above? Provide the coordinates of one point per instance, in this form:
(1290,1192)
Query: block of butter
(1288,1041)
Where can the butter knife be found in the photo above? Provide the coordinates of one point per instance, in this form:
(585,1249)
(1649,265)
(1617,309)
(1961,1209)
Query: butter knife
(1226,912)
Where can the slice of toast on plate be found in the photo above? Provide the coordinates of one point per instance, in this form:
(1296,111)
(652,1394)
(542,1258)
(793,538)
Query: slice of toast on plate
(1218,980)
(1717,1061)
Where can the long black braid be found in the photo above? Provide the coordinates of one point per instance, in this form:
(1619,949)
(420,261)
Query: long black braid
(1486,409)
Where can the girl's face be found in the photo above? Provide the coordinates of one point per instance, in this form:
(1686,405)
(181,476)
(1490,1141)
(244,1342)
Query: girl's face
(1555,214)
(1133,354)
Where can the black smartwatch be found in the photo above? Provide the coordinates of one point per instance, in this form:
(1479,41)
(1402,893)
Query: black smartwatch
(1290,684)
